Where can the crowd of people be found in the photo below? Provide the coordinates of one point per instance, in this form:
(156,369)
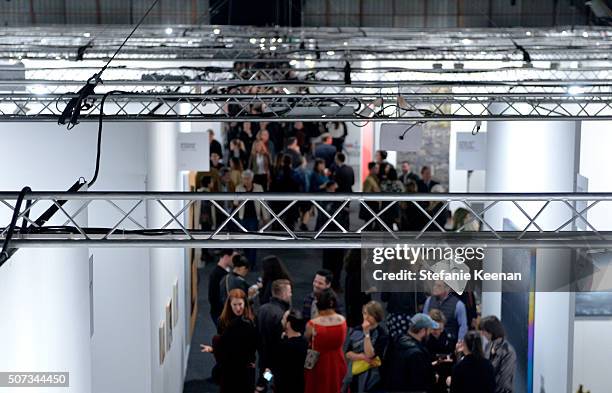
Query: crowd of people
(309,157)
(404,342)
(363,341)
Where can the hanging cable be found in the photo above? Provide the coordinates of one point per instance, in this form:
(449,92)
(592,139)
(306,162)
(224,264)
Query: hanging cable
(401,137)
(6,253)
(99,143)
(72,111)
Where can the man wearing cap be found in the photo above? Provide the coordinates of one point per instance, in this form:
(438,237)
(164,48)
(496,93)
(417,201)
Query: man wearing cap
(407,364)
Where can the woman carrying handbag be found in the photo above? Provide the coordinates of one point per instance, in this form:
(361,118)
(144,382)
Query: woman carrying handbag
(365,347)
(325,366)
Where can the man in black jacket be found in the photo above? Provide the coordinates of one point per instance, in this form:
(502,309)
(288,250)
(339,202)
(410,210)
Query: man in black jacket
(407,363)
(344,174)
(236,279)
(269,323)
(214,290)
(426,183)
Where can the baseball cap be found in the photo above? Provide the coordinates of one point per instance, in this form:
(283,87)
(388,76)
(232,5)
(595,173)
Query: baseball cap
(423,321)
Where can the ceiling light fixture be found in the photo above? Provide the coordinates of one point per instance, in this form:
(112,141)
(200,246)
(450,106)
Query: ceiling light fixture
(169,30)
(575,90)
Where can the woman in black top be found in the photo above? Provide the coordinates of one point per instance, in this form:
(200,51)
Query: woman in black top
(474,373)
(236,345)
(292,349)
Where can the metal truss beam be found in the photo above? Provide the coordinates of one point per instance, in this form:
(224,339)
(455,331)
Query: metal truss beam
(384,87)
(125,230)
(316,107)
(192,42)
(275,73)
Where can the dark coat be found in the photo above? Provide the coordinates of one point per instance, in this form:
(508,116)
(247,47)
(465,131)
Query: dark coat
(270,330)
(235,351)
(473,375)
(345,177)
(407,366)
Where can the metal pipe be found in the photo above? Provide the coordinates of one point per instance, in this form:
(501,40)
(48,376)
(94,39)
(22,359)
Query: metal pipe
(383,197)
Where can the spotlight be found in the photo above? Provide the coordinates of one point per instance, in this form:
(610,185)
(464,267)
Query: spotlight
(293,62)
(466,41)
(273,47)
(575,90)
(168,30)
(528,33)
(216,31)
(253,40)
(585,34)
(331,53)
(86,35)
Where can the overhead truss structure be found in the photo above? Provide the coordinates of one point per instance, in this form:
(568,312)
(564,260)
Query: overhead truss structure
(359,107)
(283,44)
(77,73)
(573,229)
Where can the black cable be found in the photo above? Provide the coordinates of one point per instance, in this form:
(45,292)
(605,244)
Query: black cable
(401,137)
(142,18)
(6,253)
(99,143)
(72,111)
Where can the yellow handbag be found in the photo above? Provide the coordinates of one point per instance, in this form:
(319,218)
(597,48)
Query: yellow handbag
(361,366)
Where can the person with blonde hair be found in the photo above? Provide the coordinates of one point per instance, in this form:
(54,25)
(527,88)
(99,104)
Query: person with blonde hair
(365,348)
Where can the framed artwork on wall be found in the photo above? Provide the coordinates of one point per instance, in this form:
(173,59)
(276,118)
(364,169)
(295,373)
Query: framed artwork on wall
(168,325)
(175,294)
(162,342)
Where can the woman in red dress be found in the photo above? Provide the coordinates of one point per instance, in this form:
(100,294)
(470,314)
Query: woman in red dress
(327,333)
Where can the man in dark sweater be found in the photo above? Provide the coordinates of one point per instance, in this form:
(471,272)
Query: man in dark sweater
(293,151)
(326,150)
(292,349)
(407,363)
(269,323)
(344,174)
(236,279)
(426,183)
(214,292)
(215,146)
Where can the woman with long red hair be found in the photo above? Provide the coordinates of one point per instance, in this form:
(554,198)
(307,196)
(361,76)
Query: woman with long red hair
(236,344)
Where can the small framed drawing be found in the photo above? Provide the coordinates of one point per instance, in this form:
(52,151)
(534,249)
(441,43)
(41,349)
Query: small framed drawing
(175,303)
(162,342)
(168,325)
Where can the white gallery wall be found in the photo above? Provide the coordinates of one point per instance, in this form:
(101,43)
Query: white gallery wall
(537,156)
(44,293)
(593,335)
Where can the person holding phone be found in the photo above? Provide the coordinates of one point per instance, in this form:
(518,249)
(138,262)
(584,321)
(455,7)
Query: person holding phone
(474,373)
(288,373)
(440,346)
